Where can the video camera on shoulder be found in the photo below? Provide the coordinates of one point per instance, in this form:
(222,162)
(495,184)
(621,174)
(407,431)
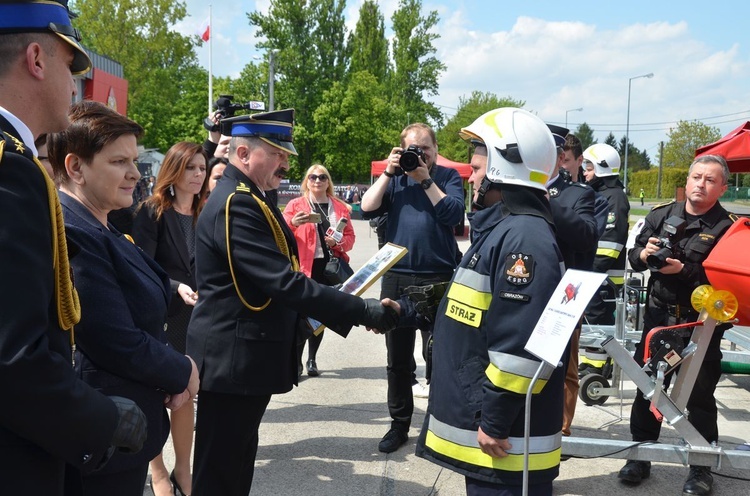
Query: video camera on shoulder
(409,159)
(672,232)
(225,108)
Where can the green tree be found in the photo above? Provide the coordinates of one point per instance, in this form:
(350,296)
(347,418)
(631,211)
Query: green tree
(450,143)
(350,127)
(684,139)
(584,133)
(637,159)
(612,141)
(368,44)
(156,59)
(312,55)
(416,69)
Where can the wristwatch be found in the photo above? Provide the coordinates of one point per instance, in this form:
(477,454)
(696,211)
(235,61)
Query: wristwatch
(388,174)
(427,183)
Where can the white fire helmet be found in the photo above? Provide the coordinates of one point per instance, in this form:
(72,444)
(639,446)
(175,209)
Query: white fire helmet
(520,147)
(605,159)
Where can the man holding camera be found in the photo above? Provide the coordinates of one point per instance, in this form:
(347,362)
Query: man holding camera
(423,201)
(670,287)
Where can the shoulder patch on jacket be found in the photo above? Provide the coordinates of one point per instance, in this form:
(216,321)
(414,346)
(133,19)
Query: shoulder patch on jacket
(518,268)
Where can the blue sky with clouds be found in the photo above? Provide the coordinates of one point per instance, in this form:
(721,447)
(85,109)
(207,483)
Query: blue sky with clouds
(559,56)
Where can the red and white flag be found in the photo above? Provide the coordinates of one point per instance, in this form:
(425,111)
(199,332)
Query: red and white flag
(205,30)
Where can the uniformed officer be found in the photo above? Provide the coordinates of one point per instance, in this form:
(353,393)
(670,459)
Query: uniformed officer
(601,168)
(668,303)
(49,417)
(481,372)
(253,302)
(577,234)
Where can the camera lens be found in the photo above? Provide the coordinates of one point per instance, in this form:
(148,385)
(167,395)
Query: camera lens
(658,259)
(409,160)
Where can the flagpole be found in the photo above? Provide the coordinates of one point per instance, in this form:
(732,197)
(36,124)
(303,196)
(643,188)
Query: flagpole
(210,63)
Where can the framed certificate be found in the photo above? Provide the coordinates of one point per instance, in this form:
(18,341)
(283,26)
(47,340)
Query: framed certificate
(367,275)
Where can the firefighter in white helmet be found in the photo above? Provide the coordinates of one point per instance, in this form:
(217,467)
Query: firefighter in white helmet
(481,372)
(601,165)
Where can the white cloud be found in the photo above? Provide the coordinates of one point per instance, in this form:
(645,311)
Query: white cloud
(556,66)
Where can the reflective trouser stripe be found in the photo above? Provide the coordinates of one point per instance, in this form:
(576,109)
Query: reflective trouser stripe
(617,276)
(514,373)
(462,445)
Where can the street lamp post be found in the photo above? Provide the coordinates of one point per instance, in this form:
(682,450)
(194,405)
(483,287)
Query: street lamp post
(580,109)
(627,130)
(271,64)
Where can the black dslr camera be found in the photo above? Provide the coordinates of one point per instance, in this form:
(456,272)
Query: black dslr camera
(672,233)
(225,109)
(409,159)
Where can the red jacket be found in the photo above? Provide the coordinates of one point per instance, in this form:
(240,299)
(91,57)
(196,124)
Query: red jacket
(307,234)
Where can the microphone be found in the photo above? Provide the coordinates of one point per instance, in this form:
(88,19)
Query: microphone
(338,233)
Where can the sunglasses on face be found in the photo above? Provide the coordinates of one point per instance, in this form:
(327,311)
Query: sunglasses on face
(319,177)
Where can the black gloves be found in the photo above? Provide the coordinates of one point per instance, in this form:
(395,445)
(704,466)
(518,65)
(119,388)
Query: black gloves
(377,316)
(130,433)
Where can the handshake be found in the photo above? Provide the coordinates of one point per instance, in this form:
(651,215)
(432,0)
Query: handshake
(380,316)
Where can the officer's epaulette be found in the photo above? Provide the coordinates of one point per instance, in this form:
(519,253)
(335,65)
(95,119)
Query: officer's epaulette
(734,217)
(581,185)
(11,144)
(670,202)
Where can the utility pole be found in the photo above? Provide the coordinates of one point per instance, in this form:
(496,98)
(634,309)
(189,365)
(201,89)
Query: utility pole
(661,163)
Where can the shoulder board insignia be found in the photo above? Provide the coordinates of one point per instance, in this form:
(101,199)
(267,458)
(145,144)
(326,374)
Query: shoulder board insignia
(20,148)
(663,204)
(518,268)
(734,217)
(243,188)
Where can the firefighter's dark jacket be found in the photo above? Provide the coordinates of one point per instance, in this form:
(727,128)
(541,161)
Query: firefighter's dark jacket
(481,371)
(610,254)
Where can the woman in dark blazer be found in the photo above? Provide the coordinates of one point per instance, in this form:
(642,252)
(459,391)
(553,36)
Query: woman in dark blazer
(164,228)
(124,294)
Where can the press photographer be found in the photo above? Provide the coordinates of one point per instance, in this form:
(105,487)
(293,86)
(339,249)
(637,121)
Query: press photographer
(675,240)
(423,201)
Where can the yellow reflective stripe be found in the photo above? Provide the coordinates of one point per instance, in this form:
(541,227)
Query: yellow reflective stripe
(518,365)
(595,363)
(605,252)
(475,456)
(619,281)
(512,382)
(469,296)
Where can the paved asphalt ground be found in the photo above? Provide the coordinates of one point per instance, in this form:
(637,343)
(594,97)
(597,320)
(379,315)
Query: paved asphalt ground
(321,438)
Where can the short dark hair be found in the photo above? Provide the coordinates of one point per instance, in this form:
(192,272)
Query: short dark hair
(13,45)
(573,144)
(92,127)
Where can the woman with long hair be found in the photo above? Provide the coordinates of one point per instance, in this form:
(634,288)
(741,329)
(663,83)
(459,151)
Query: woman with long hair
(315,248)
(164,228)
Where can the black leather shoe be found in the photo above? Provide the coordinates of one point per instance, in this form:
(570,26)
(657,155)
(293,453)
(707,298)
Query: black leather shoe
(392,440)
(312,368)
(699,481)
(635,471)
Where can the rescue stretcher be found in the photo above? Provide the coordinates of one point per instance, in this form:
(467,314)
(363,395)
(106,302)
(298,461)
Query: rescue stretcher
(726,300)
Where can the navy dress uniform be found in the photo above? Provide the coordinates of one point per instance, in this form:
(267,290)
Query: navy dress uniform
(49,417)
(244,329)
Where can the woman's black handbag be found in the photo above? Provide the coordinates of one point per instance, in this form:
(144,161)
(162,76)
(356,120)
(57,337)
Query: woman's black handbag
(337,271)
